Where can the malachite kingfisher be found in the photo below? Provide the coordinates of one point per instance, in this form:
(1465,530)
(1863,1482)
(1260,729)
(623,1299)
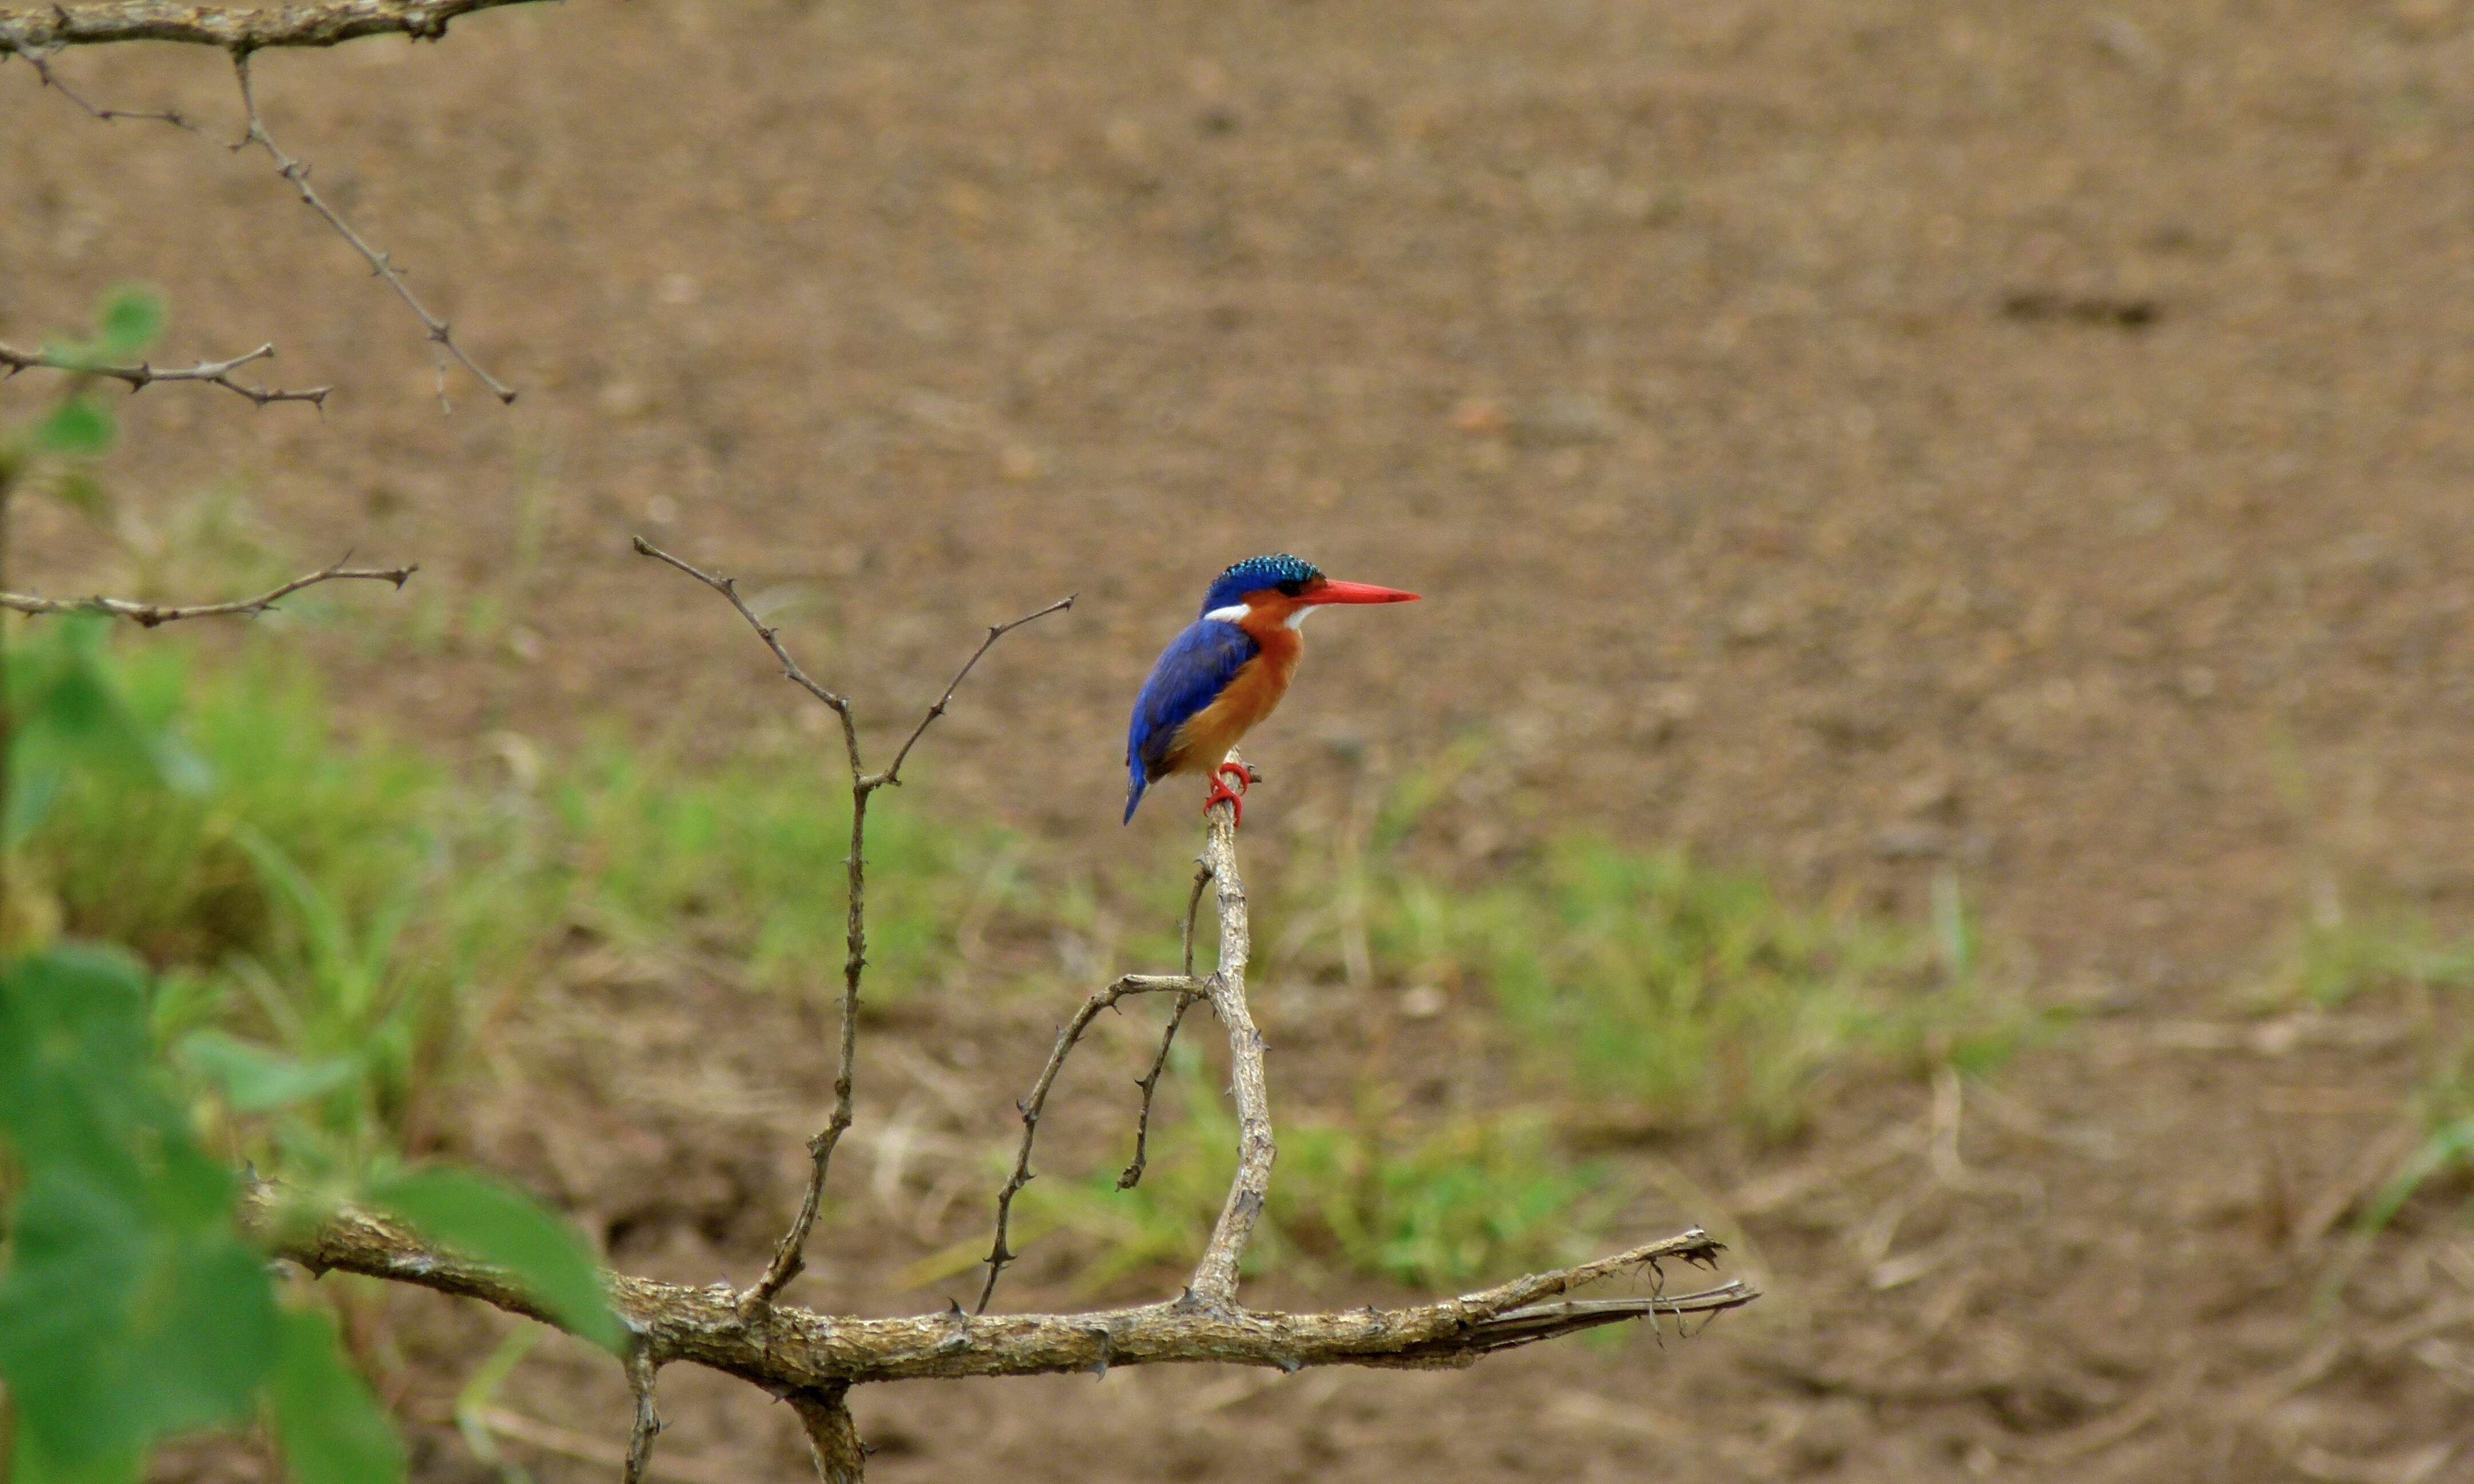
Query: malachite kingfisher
(1226,672)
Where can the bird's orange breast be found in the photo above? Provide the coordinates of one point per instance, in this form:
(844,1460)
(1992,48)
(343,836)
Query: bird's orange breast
(1258,686)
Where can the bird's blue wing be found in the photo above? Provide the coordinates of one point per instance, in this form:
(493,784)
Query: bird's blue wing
(1192,671)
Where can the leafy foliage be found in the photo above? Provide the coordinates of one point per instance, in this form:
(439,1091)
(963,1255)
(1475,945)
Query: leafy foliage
(133,1306)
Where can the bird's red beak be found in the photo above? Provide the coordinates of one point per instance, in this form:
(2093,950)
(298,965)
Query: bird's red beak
(1355,592)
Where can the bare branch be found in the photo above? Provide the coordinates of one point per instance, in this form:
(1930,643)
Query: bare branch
(891,776)
(728,588)
(1132,1174)
(40,57)
(1187,990)
(144,374)
(147,615)
(790,1255)
(298,173)
(231,28)
(1215,1277)
(833,1439)
(641,1371)
(788,1348)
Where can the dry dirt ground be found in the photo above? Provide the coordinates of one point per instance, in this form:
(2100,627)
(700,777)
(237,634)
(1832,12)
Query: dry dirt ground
(1855,441)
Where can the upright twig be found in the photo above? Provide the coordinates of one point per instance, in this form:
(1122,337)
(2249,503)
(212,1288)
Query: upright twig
(144,374)
(40,59)
(1215,1276)
(790,1255)
(1186,988)
(441,335)
(147,615)
(1132,1174)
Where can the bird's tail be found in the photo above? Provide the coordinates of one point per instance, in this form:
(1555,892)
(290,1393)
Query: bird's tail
(1134,786)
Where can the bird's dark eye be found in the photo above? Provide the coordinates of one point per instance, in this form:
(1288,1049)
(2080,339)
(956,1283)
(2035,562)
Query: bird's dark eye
(1292,587)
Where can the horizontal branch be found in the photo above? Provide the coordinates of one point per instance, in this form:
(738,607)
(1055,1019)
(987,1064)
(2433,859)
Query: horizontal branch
(144,374)
(232,28)
(147,615)
(789,1350)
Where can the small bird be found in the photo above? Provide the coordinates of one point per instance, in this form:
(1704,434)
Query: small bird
(1226,672)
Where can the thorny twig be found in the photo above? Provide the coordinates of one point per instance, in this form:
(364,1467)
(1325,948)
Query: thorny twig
(1187,990)
(40,59)
(297,173)
(144,374)
(147,615)
(789,1255)
(1132,1174)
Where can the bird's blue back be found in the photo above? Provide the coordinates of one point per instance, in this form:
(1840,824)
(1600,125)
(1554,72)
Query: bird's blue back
(1192,671)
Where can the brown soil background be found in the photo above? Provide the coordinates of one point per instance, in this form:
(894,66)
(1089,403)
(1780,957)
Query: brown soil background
(1852,440)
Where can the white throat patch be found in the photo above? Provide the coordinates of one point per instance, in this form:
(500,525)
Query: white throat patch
(1298,617)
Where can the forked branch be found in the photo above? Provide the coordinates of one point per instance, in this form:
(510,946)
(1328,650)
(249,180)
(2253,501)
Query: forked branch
(790,1255)
(813,1360)
(791,1349)
(147,615)
(1187,990)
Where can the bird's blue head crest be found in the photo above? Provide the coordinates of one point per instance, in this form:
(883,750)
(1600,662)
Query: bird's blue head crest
(1290,574)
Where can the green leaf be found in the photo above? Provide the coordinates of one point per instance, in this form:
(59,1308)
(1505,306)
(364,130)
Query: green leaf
(332,1429)
(205,1336)
(254,1078)
(73,1049)
(79,1246)
(79,427)
(130,319)
(484,1219)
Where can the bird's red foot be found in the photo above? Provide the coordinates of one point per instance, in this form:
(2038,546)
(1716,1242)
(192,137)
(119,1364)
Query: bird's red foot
(1235,798)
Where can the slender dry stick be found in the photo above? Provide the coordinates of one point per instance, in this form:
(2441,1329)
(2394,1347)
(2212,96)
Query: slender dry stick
(790,1255)
(441,335)
(1186,988)
(1215,1276)
(230,28)
(891,776)
(1132,1174)
(144,374)
(640,1373)
(40,59)
(147,615)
